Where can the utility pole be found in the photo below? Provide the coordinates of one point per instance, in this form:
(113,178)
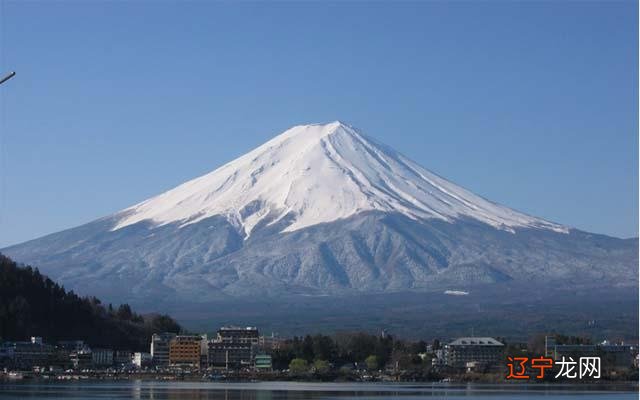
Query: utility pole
(7,77)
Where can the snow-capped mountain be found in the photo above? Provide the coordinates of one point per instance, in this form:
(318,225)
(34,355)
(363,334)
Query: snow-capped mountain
(320,209)
(319,174)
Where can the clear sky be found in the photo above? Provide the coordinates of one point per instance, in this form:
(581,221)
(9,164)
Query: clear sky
(533,105)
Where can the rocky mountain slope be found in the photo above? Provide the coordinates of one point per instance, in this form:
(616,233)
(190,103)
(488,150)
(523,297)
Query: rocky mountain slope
(321,210)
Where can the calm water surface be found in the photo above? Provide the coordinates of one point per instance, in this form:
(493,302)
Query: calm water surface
(306,391)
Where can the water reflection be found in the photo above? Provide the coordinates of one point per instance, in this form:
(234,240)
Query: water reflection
(346,391)
(305,391)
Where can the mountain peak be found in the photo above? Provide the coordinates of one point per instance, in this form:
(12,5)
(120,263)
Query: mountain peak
(323,210)
(313,131)
(329,126)
(313,174)
(337,124)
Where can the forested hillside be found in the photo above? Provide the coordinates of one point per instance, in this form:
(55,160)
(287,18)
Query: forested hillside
(31,304)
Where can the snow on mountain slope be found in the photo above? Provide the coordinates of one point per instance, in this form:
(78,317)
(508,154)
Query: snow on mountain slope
(320,210)
(321,173)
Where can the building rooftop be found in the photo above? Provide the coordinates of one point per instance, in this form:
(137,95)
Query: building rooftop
(238,328)
(475,341)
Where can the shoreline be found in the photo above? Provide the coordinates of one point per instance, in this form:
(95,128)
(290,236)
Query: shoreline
(258,379)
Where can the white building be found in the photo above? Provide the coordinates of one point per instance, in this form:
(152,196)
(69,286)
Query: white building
(160,348)
(141,359)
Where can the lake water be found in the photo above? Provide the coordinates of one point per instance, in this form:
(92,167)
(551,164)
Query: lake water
(84,390)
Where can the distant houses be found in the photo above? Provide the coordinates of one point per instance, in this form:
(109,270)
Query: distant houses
(612,355)
(232,348)
(28,353)
(244,349)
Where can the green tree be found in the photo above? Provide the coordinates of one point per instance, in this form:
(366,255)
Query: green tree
(426,361)
(31,303)
(307,348)
(321,366)
(155,323)
(124,312)
(324,347)
(418,347)
(372,363)
(298,366)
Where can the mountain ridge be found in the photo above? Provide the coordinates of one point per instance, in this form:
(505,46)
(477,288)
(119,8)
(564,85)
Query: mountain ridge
(323,210)
(320,173)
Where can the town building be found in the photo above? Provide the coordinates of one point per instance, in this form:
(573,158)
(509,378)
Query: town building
(204,351)
(101,358)
(185,350)
(82,359)
(263,362)
(72,345)
(122,357)
(475,352)
(160,348)
(269,343)
(229,355)
(617,356)
(234,334)
(27,354)
(439,360)
(233,347)
(141,360)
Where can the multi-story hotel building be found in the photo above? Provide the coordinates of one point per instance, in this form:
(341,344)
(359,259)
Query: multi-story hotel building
(484,351)
(184,350)
(160,348)
(233,347)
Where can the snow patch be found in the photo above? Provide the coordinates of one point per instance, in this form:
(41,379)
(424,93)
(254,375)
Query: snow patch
(456,292)
(321,173)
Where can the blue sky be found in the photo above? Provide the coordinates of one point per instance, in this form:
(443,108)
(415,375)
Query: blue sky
(533,105)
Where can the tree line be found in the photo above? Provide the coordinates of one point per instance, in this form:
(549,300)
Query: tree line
(324,355)
(31,304)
